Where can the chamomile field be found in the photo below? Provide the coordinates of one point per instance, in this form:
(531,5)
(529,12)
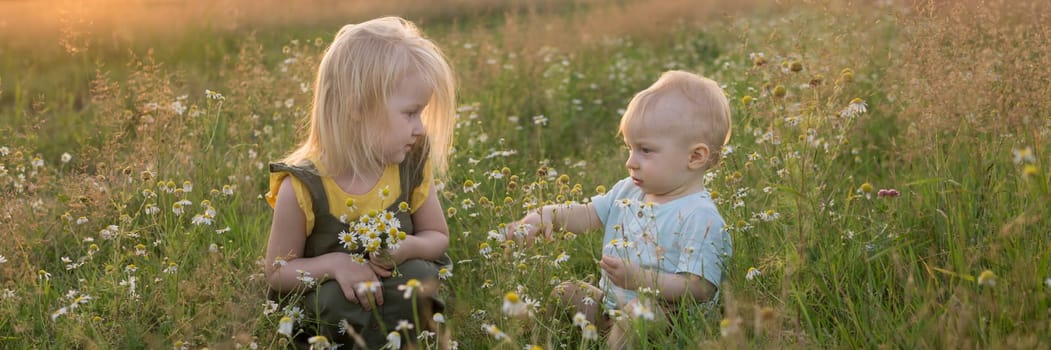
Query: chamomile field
(886,184)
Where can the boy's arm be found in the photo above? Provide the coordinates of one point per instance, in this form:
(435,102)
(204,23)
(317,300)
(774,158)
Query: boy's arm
(573,217)
(672,286)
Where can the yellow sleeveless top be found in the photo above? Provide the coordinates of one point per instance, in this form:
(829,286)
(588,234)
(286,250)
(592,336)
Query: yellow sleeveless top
(338,199)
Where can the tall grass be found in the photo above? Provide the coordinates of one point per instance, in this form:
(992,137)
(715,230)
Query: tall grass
(918,222)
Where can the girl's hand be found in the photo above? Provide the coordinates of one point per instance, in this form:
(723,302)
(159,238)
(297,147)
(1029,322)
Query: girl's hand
(351,275)
(383,264)
(622,273)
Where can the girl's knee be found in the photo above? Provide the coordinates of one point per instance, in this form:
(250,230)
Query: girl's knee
(418,269)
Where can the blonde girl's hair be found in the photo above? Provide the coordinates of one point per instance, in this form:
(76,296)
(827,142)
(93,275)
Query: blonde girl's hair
(356,77)
(708,117)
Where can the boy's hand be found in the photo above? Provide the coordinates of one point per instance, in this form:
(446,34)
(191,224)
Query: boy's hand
(622,273)
(527,228)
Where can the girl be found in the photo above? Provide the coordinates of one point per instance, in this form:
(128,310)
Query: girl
(381,126)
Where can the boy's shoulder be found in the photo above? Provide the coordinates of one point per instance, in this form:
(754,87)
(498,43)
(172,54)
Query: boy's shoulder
(700,207)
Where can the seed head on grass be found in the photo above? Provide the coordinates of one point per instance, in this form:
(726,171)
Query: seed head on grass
(987,278)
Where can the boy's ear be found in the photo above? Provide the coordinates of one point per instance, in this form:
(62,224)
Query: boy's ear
(699,156)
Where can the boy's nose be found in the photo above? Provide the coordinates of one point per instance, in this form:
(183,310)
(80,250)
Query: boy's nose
(631,163)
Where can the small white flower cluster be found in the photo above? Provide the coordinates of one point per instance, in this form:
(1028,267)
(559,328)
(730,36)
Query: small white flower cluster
(76,299)
(375,231)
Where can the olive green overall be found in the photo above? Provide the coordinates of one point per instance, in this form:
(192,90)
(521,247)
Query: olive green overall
(325,306)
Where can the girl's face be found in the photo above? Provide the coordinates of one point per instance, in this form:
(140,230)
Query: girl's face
(409,98)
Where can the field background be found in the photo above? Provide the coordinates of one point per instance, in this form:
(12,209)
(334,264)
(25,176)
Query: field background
(107,133)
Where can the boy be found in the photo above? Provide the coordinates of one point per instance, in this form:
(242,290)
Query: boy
(662,232)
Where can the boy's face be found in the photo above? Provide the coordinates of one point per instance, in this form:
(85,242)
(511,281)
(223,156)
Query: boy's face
(659,152)
(405,127)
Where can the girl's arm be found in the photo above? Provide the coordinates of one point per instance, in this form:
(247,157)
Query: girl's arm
(432,233)
(284,261)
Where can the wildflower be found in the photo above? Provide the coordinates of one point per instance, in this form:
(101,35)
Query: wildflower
(306,278)
(856,107)
(779,91)
(540,120)
(795,66)
(533,347)
(171,269)
(438,317)
(409,287)
(1030,170)
(747,100)
(403,207)
(7,294)
(883,193)
(727,327)
(177,207)
(4,151)
(223,230)
(469,186)
(865,189)
(212,95)
(494,331)
(752,273)
(561,258)
(3,259)
(228,190)
(846,75)
(768,215)
(1047,282)
(319,342)
(641,310)
(82,220)
(590,332)
(384,193)
(1024,155)
(393,341)
(757,58)
(58,313)
(987,278)
(66,157)
(580,320)
(368,286)
(187,186)
(513,305)
(403,325)
(484,249)
(444,273)
(284,327)
(202,219)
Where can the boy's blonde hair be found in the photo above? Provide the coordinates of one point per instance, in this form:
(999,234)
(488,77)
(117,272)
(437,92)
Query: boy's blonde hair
(708,115)
(355,79)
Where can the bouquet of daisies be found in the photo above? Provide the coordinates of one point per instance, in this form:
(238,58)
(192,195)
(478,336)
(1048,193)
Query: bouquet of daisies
(374,234)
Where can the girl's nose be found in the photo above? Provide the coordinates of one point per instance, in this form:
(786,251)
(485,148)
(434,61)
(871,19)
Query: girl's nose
(417,128)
